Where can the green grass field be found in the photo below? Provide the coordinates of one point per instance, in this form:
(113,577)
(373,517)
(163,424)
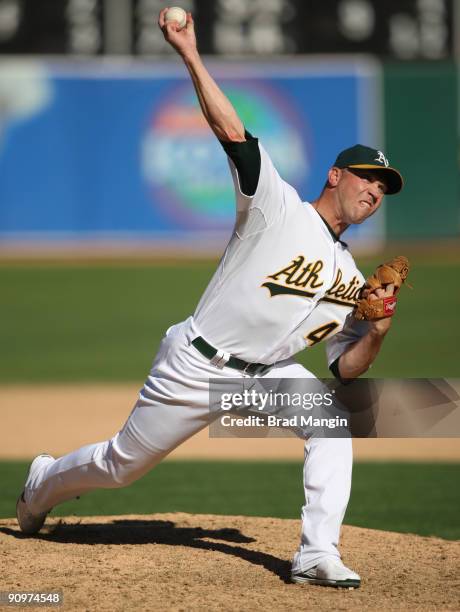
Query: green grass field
(407,497)
(104,323)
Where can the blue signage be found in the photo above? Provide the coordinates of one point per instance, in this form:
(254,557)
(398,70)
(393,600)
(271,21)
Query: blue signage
(89,152)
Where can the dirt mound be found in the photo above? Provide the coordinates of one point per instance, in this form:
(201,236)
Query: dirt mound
(205,562)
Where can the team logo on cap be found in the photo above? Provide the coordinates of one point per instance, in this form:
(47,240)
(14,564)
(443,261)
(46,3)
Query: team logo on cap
(382,159)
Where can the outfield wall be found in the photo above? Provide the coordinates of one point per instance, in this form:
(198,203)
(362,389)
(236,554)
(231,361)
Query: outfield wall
(421,105)
(117,152)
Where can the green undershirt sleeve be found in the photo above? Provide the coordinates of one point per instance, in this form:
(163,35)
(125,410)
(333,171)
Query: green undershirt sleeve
(246,157)
(334,368)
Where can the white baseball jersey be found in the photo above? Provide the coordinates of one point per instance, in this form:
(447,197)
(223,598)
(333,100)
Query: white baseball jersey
(285,282)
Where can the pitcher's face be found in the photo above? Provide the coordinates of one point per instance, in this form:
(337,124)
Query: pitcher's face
(359,193)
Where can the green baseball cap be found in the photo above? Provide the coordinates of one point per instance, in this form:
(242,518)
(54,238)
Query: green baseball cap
(363,157)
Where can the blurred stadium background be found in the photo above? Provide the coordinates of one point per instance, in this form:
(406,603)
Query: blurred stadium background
(116,203)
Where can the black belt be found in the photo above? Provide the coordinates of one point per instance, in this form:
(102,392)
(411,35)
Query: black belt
(233,362)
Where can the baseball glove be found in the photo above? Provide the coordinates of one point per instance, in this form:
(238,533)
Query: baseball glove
(394,271)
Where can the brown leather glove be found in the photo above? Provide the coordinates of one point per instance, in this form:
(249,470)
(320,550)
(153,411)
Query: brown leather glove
(394,271)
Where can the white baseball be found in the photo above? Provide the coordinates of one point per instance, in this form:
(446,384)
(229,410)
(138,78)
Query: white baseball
(176,13)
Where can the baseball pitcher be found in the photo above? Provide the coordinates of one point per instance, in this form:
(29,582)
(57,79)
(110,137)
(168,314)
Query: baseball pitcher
(285,282)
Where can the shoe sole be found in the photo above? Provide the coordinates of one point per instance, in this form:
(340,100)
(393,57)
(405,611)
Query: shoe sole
(341,584)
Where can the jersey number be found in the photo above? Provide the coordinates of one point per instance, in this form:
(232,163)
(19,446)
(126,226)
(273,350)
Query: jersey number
(320,333)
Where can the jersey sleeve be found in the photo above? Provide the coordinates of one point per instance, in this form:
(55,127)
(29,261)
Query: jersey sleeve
(261,194)
(351,332)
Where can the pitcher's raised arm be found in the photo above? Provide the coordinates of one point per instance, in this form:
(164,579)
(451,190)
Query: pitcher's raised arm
(217,108)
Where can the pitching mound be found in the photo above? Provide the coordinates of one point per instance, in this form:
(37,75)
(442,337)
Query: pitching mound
(204,562)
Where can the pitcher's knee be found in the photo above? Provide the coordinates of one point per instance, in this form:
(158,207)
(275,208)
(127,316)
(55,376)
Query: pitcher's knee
(126,469)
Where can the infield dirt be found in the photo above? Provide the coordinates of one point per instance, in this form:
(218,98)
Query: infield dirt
(172,562)
(58,419)
(203,562)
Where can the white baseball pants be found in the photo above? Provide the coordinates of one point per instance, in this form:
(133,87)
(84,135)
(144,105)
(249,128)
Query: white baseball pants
(172,406)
